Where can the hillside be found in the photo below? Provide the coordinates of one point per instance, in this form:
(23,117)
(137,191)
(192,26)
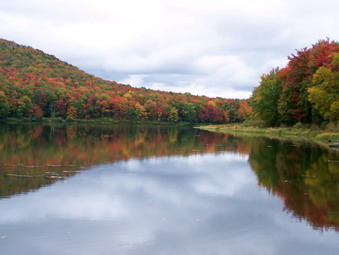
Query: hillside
(35,84)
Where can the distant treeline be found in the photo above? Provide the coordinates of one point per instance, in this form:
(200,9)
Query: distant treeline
(305,91)
(35,84)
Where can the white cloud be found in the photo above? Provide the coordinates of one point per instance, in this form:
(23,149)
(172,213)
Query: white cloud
(217,48)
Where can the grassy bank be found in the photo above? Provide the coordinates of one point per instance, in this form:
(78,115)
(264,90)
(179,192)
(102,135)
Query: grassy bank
(328,136)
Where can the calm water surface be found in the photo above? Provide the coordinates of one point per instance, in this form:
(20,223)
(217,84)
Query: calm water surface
(138,190)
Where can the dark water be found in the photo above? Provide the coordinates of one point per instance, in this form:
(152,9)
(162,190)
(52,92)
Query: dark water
(138,190)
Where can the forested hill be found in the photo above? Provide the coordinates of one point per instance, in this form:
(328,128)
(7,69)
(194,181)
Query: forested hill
(35,84)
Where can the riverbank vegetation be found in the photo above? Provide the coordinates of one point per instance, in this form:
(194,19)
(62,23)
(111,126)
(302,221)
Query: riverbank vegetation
(299,100)
(325,135)
(110,121)
(35,86)
(306,91)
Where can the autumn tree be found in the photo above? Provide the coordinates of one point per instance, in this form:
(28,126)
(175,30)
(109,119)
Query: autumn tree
(173,115)
(37,112)
(140,111)
(209,114)
(296,79)
(245,110)
(71,112)
(306,86)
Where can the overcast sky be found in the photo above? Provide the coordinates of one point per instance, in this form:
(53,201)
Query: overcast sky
(205,47)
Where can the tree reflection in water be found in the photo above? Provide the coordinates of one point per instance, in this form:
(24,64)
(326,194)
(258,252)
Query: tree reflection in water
(305,176)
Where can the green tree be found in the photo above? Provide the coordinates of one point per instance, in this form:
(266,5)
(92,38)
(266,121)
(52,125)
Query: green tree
(325,93)
(265,98)
(25,107)
(4,105)
(188,112)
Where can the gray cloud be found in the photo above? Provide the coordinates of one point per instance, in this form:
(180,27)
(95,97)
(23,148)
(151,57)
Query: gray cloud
(217,48)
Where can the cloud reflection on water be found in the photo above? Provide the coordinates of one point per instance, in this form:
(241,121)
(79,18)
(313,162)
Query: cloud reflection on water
(201,204)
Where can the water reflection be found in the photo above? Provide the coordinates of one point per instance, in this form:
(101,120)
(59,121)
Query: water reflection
(306,177)
(201,178)
(152,206)
(33,156)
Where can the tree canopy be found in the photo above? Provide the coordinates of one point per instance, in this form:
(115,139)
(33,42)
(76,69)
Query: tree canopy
(35,84)
(306,90)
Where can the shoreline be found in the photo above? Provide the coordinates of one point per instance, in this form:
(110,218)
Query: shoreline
(100,121)
(324,137)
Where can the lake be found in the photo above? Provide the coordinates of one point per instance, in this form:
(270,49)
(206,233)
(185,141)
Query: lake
(123,189)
